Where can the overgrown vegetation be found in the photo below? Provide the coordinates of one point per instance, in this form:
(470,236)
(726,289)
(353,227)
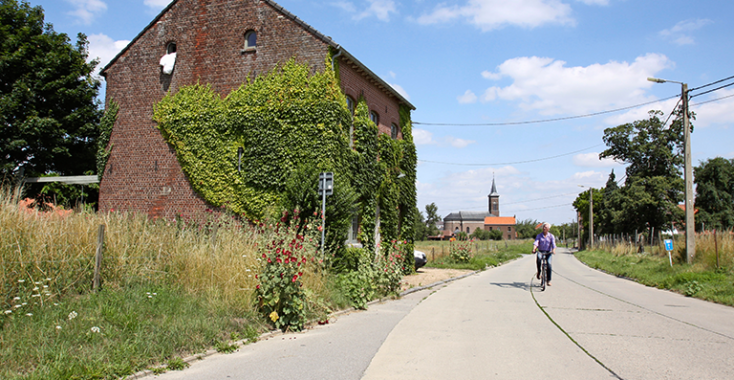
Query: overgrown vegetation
(703,279)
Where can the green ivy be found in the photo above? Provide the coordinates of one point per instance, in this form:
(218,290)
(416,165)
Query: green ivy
(285,120)
(105,127)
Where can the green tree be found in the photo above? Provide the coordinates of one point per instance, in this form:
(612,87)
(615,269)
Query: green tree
(653,187)
(421,232)
(48,113)
(715,193)
(609,207)
(526,229)
(432,218)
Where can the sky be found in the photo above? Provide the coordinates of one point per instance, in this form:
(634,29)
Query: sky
(517,91)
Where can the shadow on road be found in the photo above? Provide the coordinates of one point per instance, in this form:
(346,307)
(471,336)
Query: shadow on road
(518,285)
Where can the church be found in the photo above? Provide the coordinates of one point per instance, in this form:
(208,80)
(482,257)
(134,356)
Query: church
(470,221)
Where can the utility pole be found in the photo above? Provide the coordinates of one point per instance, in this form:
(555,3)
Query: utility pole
(591,218)
(688,172)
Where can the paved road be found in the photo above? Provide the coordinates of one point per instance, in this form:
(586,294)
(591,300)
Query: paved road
(496,324)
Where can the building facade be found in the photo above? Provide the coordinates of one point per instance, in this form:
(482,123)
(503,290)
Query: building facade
(223,43)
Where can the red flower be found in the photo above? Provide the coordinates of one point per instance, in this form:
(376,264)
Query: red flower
(257,287)
(295,277)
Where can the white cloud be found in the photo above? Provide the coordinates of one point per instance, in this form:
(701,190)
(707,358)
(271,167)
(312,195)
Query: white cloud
(550,87)
(715,112)
(400,90)
(592,160)
(104,48)
(157,4)
(422,137)
(680,34)
(378,8)
(495,14)
(595,2)
(467,98)
(86,10)
(457,142)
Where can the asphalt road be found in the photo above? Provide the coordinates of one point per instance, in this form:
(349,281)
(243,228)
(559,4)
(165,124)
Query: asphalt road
(496,324)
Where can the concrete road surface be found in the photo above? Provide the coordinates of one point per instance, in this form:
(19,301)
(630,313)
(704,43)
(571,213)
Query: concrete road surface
(497,324)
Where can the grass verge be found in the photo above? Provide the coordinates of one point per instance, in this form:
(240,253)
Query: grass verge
(483,253)
(697,280)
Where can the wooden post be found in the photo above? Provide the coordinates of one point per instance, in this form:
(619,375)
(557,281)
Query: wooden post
(433,254)
(98,258)
(716,248)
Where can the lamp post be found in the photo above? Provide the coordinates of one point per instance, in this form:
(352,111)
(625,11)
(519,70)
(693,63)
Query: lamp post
(688,171)
(591,216)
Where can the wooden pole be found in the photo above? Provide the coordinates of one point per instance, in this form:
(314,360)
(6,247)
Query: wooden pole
(98,258)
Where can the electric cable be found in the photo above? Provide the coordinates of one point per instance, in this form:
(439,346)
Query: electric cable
(712,90)
(542,120)
(712,83)
(511,163)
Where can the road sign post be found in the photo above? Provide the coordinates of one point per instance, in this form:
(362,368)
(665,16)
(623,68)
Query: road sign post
(326,187)
(669,248)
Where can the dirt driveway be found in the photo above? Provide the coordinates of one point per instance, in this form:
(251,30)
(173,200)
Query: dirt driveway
(426,276)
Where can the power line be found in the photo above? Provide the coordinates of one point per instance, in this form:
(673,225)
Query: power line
(711,84)
(511,163)
(543,120)
(710,101)
(712,90)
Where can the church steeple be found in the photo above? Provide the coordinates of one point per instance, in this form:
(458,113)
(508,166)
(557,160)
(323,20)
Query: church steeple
(494,200)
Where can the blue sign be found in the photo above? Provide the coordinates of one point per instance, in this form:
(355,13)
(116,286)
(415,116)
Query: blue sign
(668,244)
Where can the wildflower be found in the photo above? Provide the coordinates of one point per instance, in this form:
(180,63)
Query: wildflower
(95,329)
(58,327)
(8,311)
(257,287)
(21,281)
(73,315)
(274,316)
(29,314)
(16,299)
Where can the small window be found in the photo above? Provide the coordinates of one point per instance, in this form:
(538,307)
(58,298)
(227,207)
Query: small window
(394,131)
(350,105)
(467,230)
(375,117)
(171,48)
(250,40)
(509,229)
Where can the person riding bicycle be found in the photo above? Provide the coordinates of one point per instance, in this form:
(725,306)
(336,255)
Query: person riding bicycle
(545,244)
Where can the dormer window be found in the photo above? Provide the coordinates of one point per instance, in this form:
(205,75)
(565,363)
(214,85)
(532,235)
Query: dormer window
(250,40)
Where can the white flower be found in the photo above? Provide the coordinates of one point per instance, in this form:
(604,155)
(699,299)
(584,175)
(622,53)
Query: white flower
(58,327)
(8,311)
(17,306)
(150,296)
(45,286)
(21,281)
(36,288)
(73,315)
(29,314)
(16,299)
(48,279)
(95,329)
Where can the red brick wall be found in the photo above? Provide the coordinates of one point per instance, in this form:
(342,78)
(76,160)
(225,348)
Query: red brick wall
(357,85)
(143,174)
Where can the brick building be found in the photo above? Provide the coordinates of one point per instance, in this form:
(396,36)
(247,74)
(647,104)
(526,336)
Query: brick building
(217,42)
(470,221)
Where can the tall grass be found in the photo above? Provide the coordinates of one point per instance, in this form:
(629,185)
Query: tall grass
(170,288)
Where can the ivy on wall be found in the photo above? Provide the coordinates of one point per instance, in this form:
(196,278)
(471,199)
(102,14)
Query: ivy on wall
(289,123)
(105,127)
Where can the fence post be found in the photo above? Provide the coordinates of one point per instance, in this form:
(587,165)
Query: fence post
(98,258)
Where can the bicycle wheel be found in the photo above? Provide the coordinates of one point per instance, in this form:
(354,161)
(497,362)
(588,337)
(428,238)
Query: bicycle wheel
(543,268)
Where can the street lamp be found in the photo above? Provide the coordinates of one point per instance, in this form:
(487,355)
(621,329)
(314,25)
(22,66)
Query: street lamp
(591,216)
(688,172)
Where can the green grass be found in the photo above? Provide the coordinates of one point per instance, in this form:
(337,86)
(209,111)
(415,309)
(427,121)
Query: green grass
(116,332)
(484,253)
(698,280)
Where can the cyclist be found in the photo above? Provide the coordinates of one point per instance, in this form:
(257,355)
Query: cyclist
(545,244)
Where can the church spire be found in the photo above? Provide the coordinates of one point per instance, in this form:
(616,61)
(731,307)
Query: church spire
(494,200)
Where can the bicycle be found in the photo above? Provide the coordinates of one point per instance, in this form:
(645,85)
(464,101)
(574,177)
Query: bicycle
(543,270)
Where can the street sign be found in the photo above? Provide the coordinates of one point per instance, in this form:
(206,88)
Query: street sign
(668,244)
(326,180)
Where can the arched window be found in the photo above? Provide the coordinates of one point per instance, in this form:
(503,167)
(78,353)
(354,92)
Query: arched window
(250,40)
(350,104)
(171,48)
(375,117)
(394,131)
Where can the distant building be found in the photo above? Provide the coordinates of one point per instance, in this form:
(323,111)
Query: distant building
(470,221)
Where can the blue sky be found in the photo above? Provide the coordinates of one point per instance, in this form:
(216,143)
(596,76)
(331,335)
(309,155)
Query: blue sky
(468,62)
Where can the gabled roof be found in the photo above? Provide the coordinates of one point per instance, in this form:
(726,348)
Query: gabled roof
(503,220)
(354,62)
(466,216)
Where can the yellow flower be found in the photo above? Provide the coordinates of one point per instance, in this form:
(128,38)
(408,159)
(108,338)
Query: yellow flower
(274,316)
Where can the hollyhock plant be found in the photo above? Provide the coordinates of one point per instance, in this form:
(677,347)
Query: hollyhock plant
(285,258)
